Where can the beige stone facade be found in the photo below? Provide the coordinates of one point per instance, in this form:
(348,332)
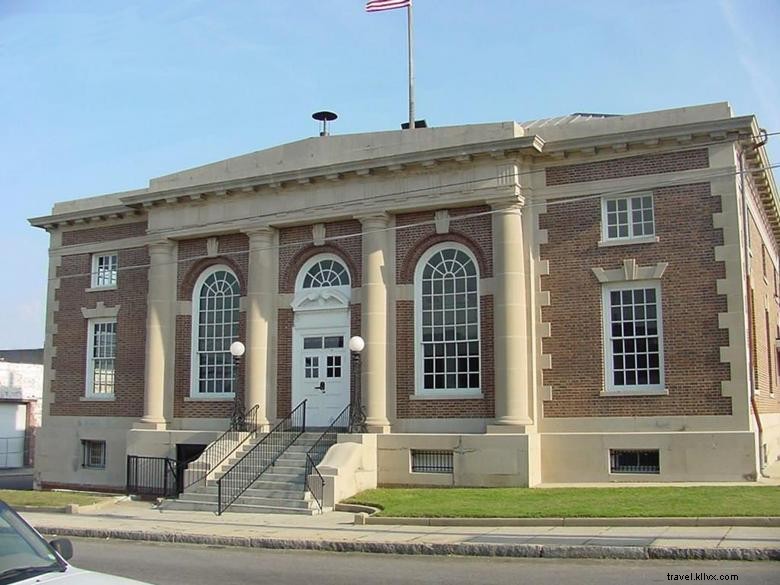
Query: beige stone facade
(617,301)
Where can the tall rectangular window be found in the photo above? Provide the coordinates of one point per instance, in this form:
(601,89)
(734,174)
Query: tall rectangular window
(104,270)
(101,356)
(626,218)
(93,454)
(633,337)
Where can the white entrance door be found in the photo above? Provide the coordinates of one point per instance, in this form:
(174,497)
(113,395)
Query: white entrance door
(13,421)
(323,376)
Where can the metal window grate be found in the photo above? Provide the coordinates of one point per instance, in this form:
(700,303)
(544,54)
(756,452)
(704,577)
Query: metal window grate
(634,461)
(431,461)
(93,454)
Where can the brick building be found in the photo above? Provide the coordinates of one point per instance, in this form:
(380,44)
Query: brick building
(579,299)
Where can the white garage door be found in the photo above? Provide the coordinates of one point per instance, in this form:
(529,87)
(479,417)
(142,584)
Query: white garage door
(13,419)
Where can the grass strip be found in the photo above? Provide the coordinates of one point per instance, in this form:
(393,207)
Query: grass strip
(43,498)
(607,502)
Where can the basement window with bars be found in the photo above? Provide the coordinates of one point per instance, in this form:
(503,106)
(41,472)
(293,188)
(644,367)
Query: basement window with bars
(634,461)
(93,454)
(431,461)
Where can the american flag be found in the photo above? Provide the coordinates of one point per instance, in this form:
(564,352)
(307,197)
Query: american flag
(377,5)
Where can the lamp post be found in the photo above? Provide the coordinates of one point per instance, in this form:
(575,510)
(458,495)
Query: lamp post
(357,416)
(237,422)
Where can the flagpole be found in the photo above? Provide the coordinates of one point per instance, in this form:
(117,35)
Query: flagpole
(411,65)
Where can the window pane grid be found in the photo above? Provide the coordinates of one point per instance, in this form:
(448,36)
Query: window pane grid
(105,270)
(103,353)
(450,322)
(634,339)
(326,273)
(630,217)
(217,328)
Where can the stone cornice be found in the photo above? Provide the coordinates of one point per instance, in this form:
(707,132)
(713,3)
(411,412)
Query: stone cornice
(622,142)
(85,216)
(373,166)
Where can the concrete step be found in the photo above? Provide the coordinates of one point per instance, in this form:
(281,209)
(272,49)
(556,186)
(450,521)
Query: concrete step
(193,505)
(250,500)
(283,494)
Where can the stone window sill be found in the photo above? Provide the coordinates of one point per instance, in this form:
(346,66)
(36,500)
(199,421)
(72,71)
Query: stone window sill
(463,396)
(656,392)
(220,398)
(98,398)
(100,288)
(629,241)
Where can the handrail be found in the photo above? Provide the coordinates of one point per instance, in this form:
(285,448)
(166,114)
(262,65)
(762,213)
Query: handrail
(247,470)
(315,455)
(220,450)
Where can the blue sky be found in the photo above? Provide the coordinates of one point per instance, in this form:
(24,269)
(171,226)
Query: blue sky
(98,96)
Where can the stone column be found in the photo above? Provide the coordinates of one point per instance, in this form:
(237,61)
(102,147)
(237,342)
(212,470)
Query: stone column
(510,326)
(374,322)
(261,294)
(161,301)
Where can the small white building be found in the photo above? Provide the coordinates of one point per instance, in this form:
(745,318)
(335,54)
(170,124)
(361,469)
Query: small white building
(21,389)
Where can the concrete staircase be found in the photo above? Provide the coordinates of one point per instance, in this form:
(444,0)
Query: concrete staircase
(280,490)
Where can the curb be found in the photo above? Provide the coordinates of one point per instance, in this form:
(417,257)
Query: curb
(460,549)
(363,518)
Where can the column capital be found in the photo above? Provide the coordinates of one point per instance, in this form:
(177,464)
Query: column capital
(161,247)
(374,220)
(263,233)
(507,203)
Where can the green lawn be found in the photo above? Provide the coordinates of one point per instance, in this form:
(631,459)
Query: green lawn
(605,502)
(41,498)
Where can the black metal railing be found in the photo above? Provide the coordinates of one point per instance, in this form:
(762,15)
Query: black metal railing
(240,431)
(341,424)
(153,476)
(246,471)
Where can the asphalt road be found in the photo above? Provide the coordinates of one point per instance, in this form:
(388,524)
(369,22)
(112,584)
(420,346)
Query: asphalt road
(165,564)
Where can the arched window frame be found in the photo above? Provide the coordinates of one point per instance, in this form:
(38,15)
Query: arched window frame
(470,391)
(313,261)
(195,391)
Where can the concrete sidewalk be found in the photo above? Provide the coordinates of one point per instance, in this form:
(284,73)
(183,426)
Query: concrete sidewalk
(337,531)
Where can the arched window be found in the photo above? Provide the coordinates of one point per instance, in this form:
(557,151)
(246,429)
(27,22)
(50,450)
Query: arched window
(214,327)
(447,331)
(327,271)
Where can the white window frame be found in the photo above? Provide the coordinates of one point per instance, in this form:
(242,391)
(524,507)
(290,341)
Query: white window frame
(99,273)
(420,390)
(90,380)
(195,392)
(315,260)
(631,238)
(609,385)
(87,454)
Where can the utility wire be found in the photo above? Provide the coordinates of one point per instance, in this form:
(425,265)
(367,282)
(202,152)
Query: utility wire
(547,202)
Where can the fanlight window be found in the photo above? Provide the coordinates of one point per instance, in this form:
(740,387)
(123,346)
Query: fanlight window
(324,273)
(215,327)
(449,322)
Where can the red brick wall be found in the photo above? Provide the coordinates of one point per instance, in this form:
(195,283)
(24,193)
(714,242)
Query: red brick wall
(630,166)
(763,353)
(411,242)
(690,307)
(70,341)
(233,252)
(103,234)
